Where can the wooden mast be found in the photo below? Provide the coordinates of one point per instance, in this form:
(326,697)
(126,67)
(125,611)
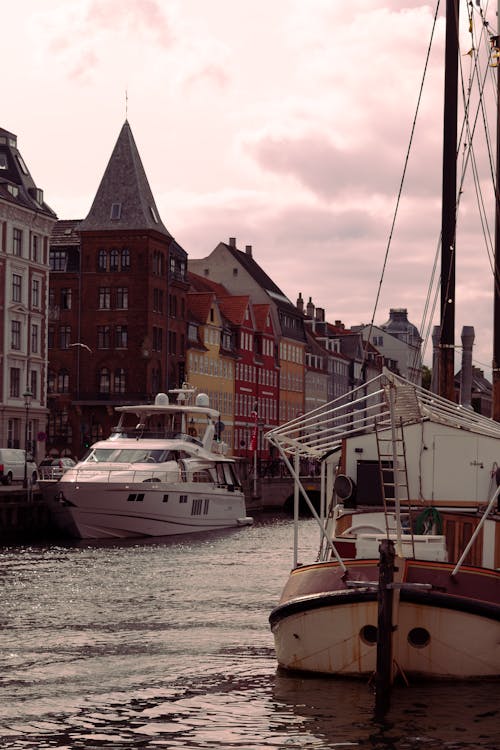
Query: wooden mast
(496,290)
(449,205)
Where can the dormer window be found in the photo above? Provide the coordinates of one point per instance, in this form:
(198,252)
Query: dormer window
(3,161)
(13,190)
(116,211)
(20,161)
(153,214)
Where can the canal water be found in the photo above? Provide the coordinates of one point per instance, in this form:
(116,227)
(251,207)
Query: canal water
(166,644)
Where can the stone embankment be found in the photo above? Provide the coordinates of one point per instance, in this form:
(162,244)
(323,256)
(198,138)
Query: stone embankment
(24,517)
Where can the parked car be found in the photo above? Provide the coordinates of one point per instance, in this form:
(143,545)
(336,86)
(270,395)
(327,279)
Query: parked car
(12,466)
(54,468)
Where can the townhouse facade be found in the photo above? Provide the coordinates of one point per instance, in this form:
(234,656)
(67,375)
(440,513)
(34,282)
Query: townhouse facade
(120,318)
(241,274)
(26,223)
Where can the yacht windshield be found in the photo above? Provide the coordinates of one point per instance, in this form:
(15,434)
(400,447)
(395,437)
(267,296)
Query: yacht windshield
(130,455)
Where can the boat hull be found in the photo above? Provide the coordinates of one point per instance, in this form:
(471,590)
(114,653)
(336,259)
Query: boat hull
(93,510)
(450,631)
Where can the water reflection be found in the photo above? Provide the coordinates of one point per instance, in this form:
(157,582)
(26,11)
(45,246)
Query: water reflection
(166,644)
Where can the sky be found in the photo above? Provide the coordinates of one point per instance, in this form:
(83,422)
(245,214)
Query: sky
(282,123)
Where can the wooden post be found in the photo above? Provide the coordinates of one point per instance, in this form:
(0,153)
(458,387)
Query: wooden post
(384,673)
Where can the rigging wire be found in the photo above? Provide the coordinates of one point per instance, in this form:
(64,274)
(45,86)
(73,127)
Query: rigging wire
(403,176)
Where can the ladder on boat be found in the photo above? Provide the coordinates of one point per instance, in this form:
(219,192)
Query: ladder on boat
(393,472)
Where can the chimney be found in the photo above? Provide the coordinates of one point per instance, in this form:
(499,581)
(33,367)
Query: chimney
(466,371)
(232,242)
(436,337)
(320,314)
(310,308)
(339,324)
(300,303)
(248,250)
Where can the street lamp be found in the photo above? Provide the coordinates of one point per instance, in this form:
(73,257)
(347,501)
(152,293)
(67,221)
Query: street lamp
(27,395)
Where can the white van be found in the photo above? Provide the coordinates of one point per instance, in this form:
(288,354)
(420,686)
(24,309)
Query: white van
(12,466)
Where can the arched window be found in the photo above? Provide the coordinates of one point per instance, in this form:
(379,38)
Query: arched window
(63,381)
(102,260)
(113,260)
(155,380)
(51,383)
(119,380)
(125,259)
(104,380)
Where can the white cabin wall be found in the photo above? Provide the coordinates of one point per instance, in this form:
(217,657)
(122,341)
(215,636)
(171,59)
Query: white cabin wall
(443,463)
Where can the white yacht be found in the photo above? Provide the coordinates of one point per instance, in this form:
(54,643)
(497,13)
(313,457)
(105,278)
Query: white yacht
(152,477)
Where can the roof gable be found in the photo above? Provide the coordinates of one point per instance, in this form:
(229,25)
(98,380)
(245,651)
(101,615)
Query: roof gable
(124,200)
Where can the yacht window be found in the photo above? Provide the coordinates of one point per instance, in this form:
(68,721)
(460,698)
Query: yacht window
(220,474)
(202,475)
(100,454)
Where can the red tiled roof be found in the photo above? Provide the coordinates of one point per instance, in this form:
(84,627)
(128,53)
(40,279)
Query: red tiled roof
(260,313)
(198,304)
(203,284)
(234,307)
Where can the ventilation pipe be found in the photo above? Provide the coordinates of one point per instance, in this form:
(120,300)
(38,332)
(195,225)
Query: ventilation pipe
(436,337)
(466,371)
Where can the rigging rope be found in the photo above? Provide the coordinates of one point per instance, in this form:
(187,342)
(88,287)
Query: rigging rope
(400,191)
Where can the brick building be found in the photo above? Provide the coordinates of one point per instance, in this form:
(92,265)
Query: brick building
(117,306)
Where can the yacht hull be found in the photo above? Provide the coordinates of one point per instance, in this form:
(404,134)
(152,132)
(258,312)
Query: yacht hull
(93,510)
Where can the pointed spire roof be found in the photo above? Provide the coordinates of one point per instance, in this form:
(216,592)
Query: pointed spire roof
(124,199)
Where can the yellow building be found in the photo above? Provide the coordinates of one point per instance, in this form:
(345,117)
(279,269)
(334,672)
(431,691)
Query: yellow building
(292,354)
(209,359)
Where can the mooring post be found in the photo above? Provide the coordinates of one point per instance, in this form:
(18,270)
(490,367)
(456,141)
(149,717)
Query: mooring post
(384,673)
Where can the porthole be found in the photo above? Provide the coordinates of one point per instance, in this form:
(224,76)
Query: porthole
(368,634)
(419,637)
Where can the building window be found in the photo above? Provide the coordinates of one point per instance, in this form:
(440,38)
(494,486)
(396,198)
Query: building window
(116,211)
(102,260)
(34,248)
(157,339)
(17,242)
(104,298)
(155,380)
(104,380)
(121,337)
(15,340)
(103,337)
(119,381)
(172,342)
(35,293)
(125,259)
(34,338)
(16,288)
(15,380)
(66,299)
(173,307)
(63,381)
(34,383)
(192,332)
(122,298)
(51,382)
(51,336)
(58,260)
(64,337)
(113,260)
